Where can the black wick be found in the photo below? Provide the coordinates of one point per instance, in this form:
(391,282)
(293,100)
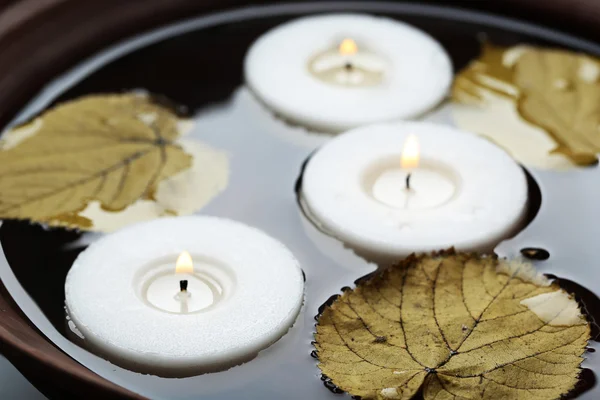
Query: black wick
(183,285)
(408,181)
(349,67)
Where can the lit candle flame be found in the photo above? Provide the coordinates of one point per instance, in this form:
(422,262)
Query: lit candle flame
(184,264)
(348,47)
(410,153)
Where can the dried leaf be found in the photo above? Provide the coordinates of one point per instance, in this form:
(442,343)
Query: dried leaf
(181,194)
(113,149)
(456,326)
(555,90)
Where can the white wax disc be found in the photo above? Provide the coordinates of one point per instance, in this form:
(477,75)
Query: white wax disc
(259,287)
(416,71)
(478,196)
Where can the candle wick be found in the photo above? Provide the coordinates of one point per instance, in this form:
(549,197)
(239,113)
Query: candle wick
(349,67)
(183,305)
(408,181)
(183,285)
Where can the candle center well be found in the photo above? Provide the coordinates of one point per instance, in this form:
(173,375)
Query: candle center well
(204,287)
(347,64)
(431,184)
(428,188)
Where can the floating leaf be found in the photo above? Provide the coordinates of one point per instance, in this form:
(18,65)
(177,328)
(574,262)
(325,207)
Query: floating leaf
(456,326)
(183,193)
(113,149)
(555,91)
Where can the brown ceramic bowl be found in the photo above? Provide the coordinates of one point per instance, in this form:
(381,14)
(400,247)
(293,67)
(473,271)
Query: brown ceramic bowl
(41,38)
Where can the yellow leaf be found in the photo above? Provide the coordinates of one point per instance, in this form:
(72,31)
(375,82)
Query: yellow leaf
(456,326)
(113,149)
(557,91)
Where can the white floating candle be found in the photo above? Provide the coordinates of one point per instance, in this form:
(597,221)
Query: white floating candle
(464,191)
(336,72)
(124,295)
